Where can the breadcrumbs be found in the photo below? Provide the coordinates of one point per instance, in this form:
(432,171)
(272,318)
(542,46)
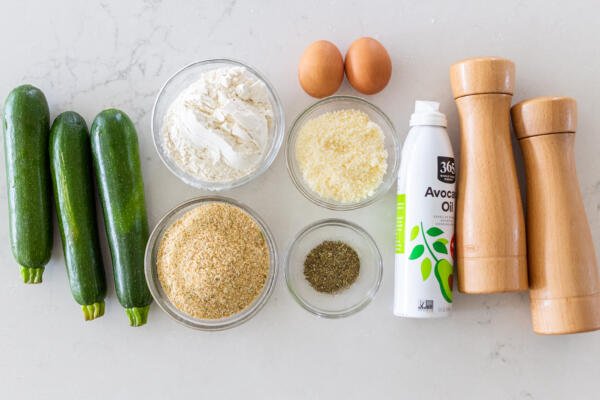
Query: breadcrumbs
(213,261)
(342,155)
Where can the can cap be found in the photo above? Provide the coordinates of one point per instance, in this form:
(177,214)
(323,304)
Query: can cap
(428,113)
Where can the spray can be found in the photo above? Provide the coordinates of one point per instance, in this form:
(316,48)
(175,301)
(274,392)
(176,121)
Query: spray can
(425,217)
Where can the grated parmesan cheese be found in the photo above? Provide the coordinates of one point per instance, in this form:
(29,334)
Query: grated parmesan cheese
(342,155)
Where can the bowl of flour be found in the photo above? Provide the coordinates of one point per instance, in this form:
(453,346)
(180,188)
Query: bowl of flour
(217,124)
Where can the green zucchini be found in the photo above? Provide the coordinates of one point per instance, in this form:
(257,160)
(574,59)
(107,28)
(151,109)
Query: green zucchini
(119,179)
(26,132)
(71,167)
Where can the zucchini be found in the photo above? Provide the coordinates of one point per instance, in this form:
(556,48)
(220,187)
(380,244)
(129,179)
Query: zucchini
(119,178)
(71,167)
(26,132)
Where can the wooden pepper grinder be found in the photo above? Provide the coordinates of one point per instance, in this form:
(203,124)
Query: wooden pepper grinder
(490,228)
(563,271)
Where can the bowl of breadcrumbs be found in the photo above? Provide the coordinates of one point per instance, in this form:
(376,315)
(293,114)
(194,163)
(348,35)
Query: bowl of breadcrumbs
(211,263)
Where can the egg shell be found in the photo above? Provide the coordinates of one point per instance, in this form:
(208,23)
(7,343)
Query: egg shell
(321,69)
(368,66)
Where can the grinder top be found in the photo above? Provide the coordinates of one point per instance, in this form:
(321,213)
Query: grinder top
(482,75)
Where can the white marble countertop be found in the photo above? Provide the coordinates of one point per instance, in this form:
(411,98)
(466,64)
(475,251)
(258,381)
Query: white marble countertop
(88,56)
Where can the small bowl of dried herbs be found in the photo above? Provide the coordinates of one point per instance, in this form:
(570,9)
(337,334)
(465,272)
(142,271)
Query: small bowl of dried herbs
(333,268)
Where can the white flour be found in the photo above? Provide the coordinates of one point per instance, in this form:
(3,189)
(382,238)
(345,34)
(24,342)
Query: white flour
(218,128)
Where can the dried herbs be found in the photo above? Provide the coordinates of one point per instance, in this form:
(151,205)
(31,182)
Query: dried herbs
(331,266)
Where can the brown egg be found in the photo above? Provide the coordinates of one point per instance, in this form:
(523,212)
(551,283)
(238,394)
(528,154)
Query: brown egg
(368,66)
(321,69)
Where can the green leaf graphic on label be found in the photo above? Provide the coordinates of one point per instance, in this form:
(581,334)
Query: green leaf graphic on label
(417,252)
(440,247)
(443,240)
(414,232)
(426,268)
(434,231)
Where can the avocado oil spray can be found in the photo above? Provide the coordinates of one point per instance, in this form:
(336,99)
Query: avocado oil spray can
(425,217)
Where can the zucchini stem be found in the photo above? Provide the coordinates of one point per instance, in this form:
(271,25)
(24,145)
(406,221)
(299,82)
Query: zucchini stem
(93,311)
(32,275)
(138,316)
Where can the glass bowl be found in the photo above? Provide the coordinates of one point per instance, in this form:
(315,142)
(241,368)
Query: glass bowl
(335,103)
(180,81)
(161,298)
(350,300)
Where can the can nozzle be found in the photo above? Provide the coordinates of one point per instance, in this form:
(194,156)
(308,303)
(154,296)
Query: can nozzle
(428,113)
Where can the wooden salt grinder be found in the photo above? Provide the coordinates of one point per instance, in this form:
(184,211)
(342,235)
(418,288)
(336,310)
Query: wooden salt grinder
(490,228)
(563,271)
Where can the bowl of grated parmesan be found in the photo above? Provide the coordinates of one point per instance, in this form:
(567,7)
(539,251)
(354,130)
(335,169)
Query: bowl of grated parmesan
(343,153)
(217,124)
